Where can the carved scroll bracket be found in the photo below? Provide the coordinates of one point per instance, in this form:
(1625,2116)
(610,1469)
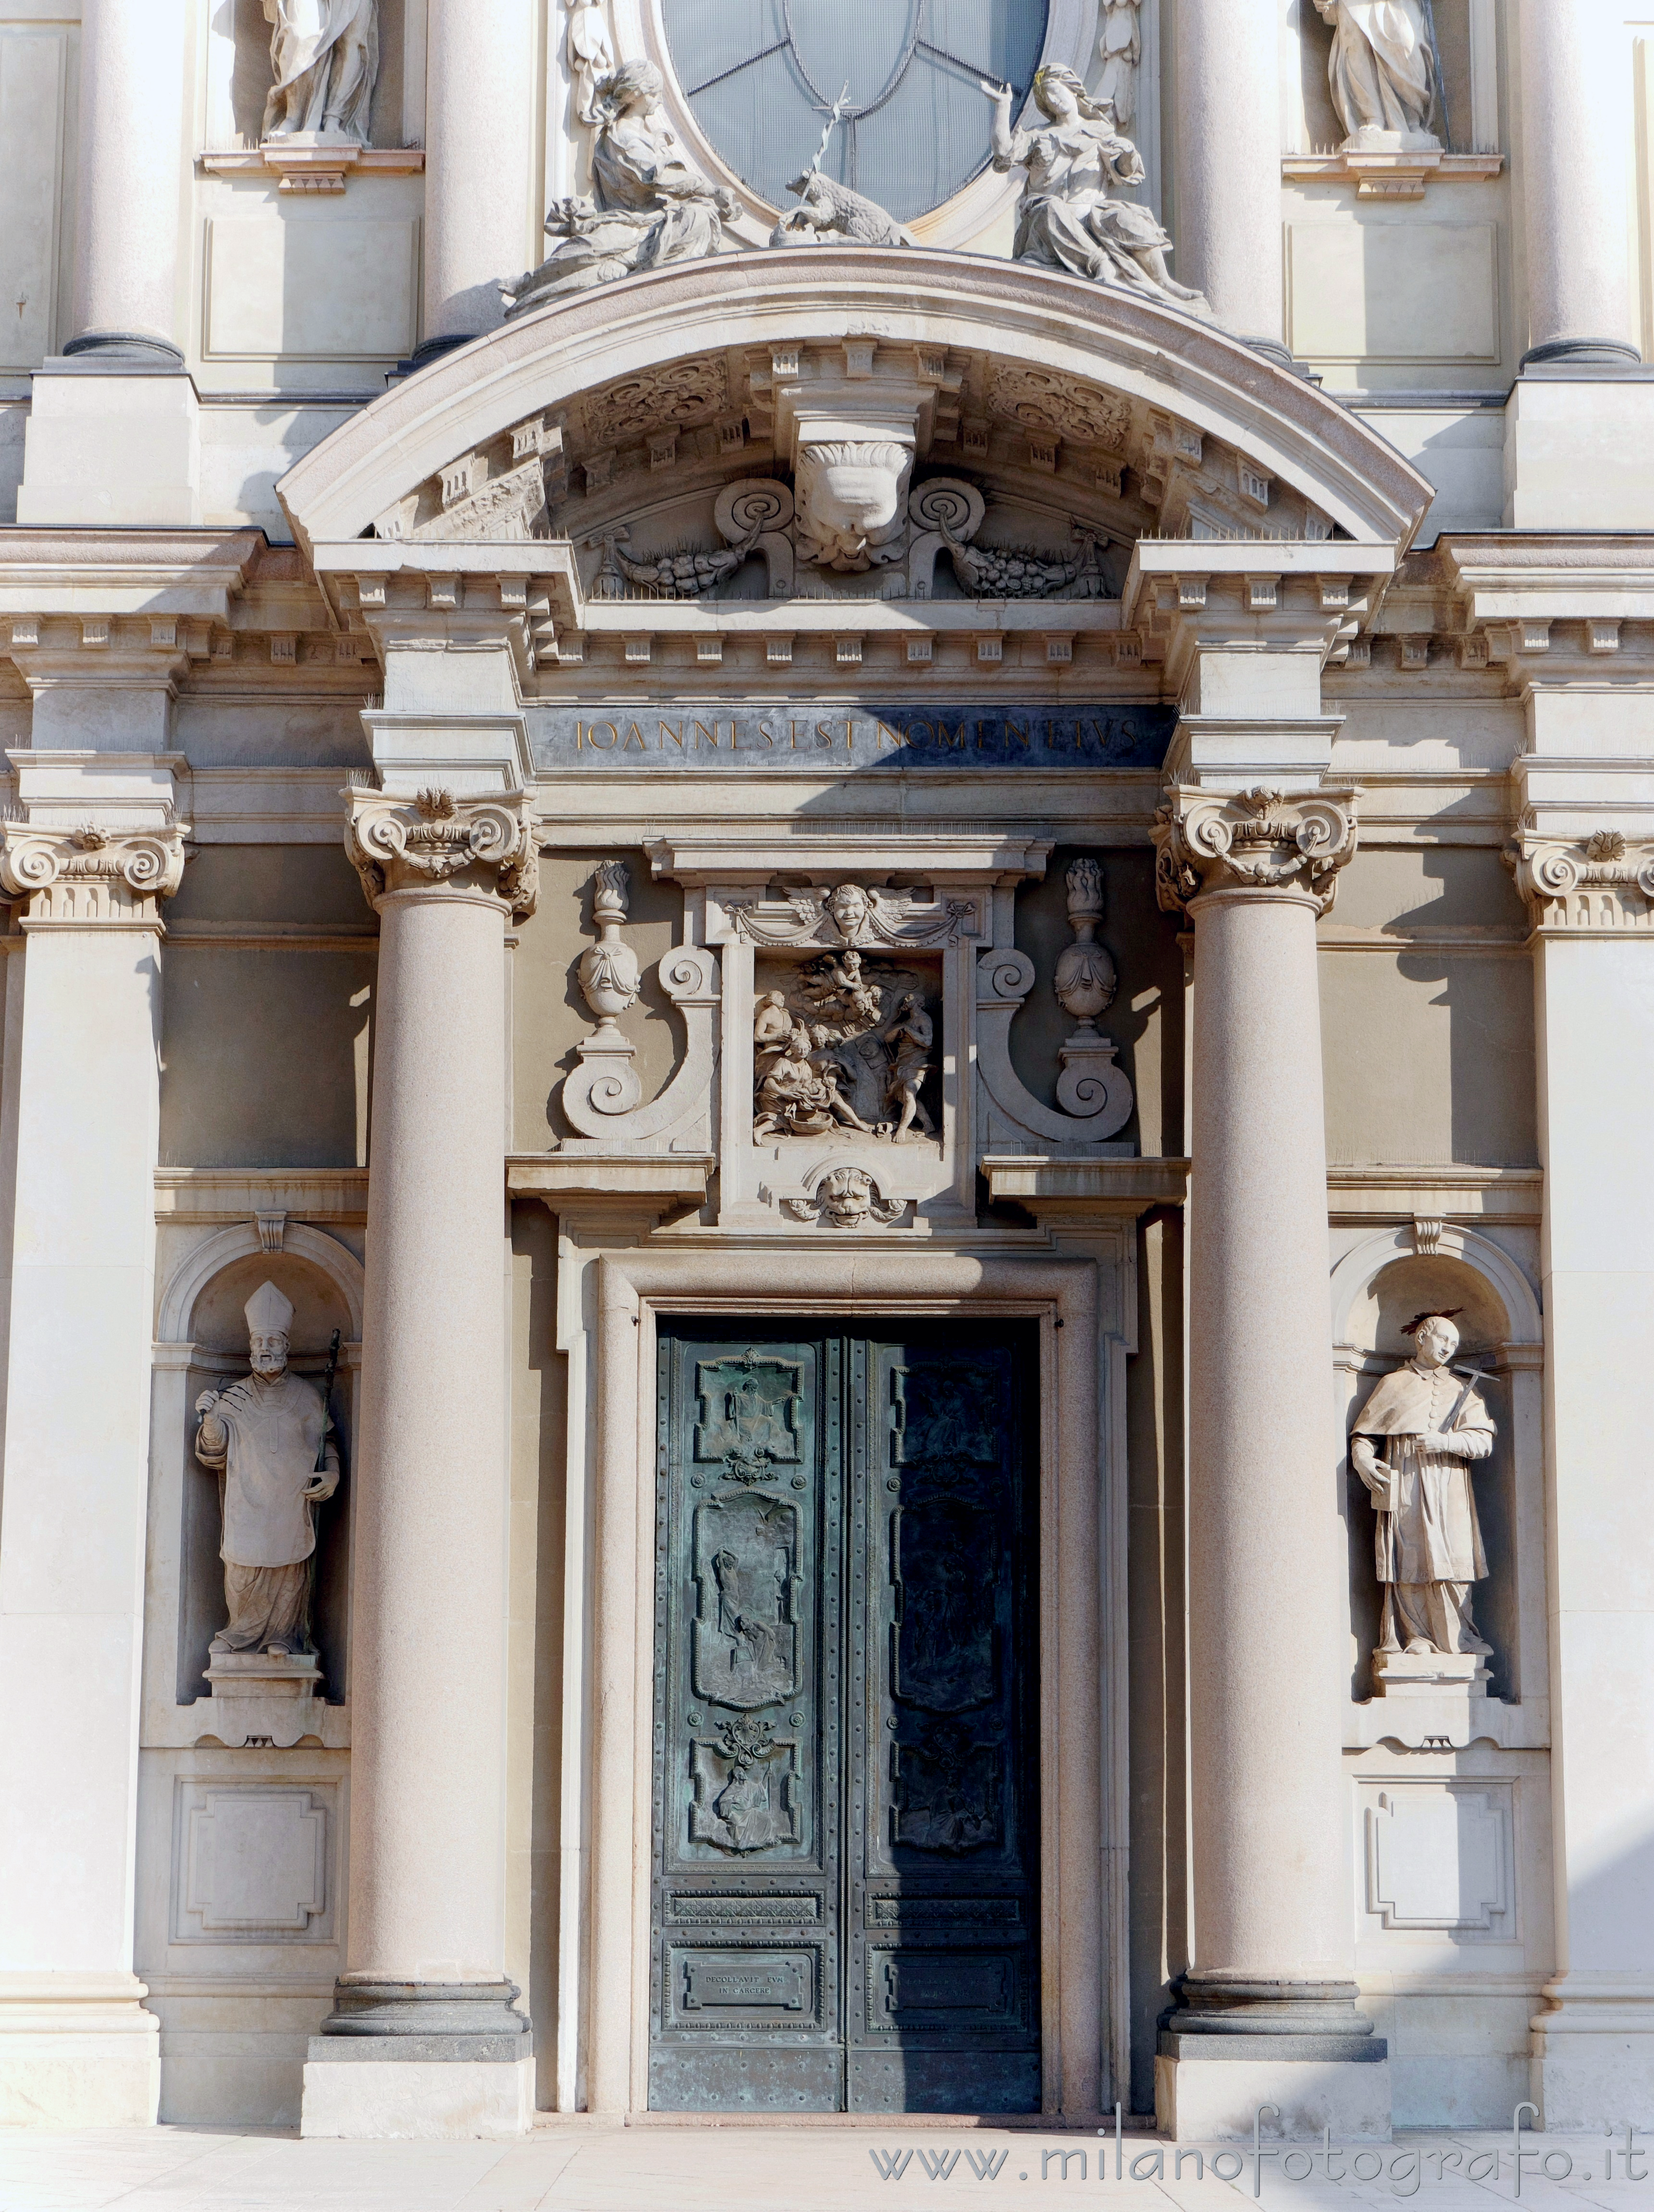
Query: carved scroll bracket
(603,1098)
(1096,1091)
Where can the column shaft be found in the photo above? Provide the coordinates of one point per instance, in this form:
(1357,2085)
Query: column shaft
(479,163)
(78,1147)
(134,64)
(427,1630)
(1226,73)
(1265,1553)
(1576,146)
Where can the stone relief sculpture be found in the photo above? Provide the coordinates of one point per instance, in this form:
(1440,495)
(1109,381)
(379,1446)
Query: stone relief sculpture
(325,54)
(649,204)
(1121,51)
(845,1198)
(852,503)
(1429,1423)
(842,1041)
(591,56)
(1383,73)
(265,1435)
(1069,219)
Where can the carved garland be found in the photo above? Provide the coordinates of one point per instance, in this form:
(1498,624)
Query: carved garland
(1259,839)
(400,844)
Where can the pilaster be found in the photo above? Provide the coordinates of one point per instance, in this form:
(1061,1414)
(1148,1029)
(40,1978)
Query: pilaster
(78,1147)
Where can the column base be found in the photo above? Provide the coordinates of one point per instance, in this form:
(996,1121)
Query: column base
(351,2091)
(113,439)
(1593,2059)
(1203,2095)
(77,2051)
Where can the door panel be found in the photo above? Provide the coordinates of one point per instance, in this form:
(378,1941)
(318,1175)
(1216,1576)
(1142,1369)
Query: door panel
(846,1848)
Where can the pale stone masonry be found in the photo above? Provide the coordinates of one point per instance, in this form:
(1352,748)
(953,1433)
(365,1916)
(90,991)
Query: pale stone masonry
(855,896)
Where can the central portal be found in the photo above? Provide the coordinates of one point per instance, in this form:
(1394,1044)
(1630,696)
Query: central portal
(845,1907)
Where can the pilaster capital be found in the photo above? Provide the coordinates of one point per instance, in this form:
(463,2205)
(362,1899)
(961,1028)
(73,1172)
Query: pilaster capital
(1603,883)
(400,844)
(1260,840)
(74,878)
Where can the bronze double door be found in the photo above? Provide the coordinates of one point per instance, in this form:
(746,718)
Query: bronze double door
(845,1789)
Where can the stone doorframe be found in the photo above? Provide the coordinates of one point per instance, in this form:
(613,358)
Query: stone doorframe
(1081,1610)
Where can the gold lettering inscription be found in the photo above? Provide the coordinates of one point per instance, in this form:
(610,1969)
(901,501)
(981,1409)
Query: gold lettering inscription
(677,735)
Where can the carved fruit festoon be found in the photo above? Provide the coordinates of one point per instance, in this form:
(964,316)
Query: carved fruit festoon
(1085,981)
(610,977)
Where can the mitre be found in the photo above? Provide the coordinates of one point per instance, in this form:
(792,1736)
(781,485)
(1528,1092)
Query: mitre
(269,1314)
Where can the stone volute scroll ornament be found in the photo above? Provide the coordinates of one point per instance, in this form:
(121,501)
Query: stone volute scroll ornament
(1383,75)
(1412,1445)
(92,873)
(400,844)
(649,205)
(1069,219)
(603,1099)
(325,56)
(1259,839)
(1605,880)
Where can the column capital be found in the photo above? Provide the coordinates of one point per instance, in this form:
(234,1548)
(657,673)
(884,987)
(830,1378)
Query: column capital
(433,840)
(1260,840)
(1600,884)
(89,876)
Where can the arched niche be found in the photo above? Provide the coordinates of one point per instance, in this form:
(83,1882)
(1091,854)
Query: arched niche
(202,1345)
(1376,1288)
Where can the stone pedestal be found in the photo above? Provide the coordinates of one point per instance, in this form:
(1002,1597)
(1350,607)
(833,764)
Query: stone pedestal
(257,1698)
(1267,2011)
(113,439)
(425,1983)
(1397,1673)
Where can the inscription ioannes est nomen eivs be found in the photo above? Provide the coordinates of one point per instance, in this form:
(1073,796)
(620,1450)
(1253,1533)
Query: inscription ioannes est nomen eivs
(952,736)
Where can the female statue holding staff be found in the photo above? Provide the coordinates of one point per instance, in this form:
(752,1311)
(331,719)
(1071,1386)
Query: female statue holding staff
(1068,220)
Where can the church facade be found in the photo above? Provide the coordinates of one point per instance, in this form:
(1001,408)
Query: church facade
(829,989)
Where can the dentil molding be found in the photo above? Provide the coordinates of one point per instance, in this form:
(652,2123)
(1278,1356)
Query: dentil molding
(1259,839)
(72,878)
(400,844)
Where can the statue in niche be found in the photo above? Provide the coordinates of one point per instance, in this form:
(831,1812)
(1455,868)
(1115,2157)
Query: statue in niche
(1382,74)
(325,54)
(649,206)
(1068,219)
(1430,1421)
(1120,50)
(265,1435)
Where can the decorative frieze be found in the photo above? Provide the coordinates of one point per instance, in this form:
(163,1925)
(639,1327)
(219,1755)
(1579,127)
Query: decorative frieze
(1258,840)
(1605,881)
(400,844)
(91,875)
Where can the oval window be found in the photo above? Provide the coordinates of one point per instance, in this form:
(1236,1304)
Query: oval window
(762,76)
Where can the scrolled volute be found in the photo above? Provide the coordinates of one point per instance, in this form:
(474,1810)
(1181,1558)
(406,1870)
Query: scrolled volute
(92,873)
(1261,840)
(398,844)
(1583,882)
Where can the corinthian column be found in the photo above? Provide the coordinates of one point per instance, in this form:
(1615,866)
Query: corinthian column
(424,2038)
(78,1147)
(479,225)
(1576,152)
(1268,2010)
(1226,216)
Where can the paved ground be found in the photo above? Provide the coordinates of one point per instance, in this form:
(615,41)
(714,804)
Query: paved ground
(584,2166)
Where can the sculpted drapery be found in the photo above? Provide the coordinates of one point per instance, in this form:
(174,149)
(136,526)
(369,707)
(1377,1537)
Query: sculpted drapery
(648,205)
(1428,1424)
(1382,71)
(326,57)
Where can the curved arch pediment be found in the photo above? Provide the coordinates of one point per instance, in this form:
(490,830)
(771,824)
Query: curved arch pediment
(1078,400)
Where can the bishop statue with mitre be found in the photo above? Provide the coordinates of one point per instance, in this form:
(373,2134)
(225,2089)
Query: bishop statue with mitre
(265,1435)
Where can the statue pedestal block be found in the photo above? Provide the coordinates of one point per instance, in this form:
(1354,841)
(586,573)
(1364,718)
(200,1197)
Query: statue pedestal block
(1405,1671)
(257,1699)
